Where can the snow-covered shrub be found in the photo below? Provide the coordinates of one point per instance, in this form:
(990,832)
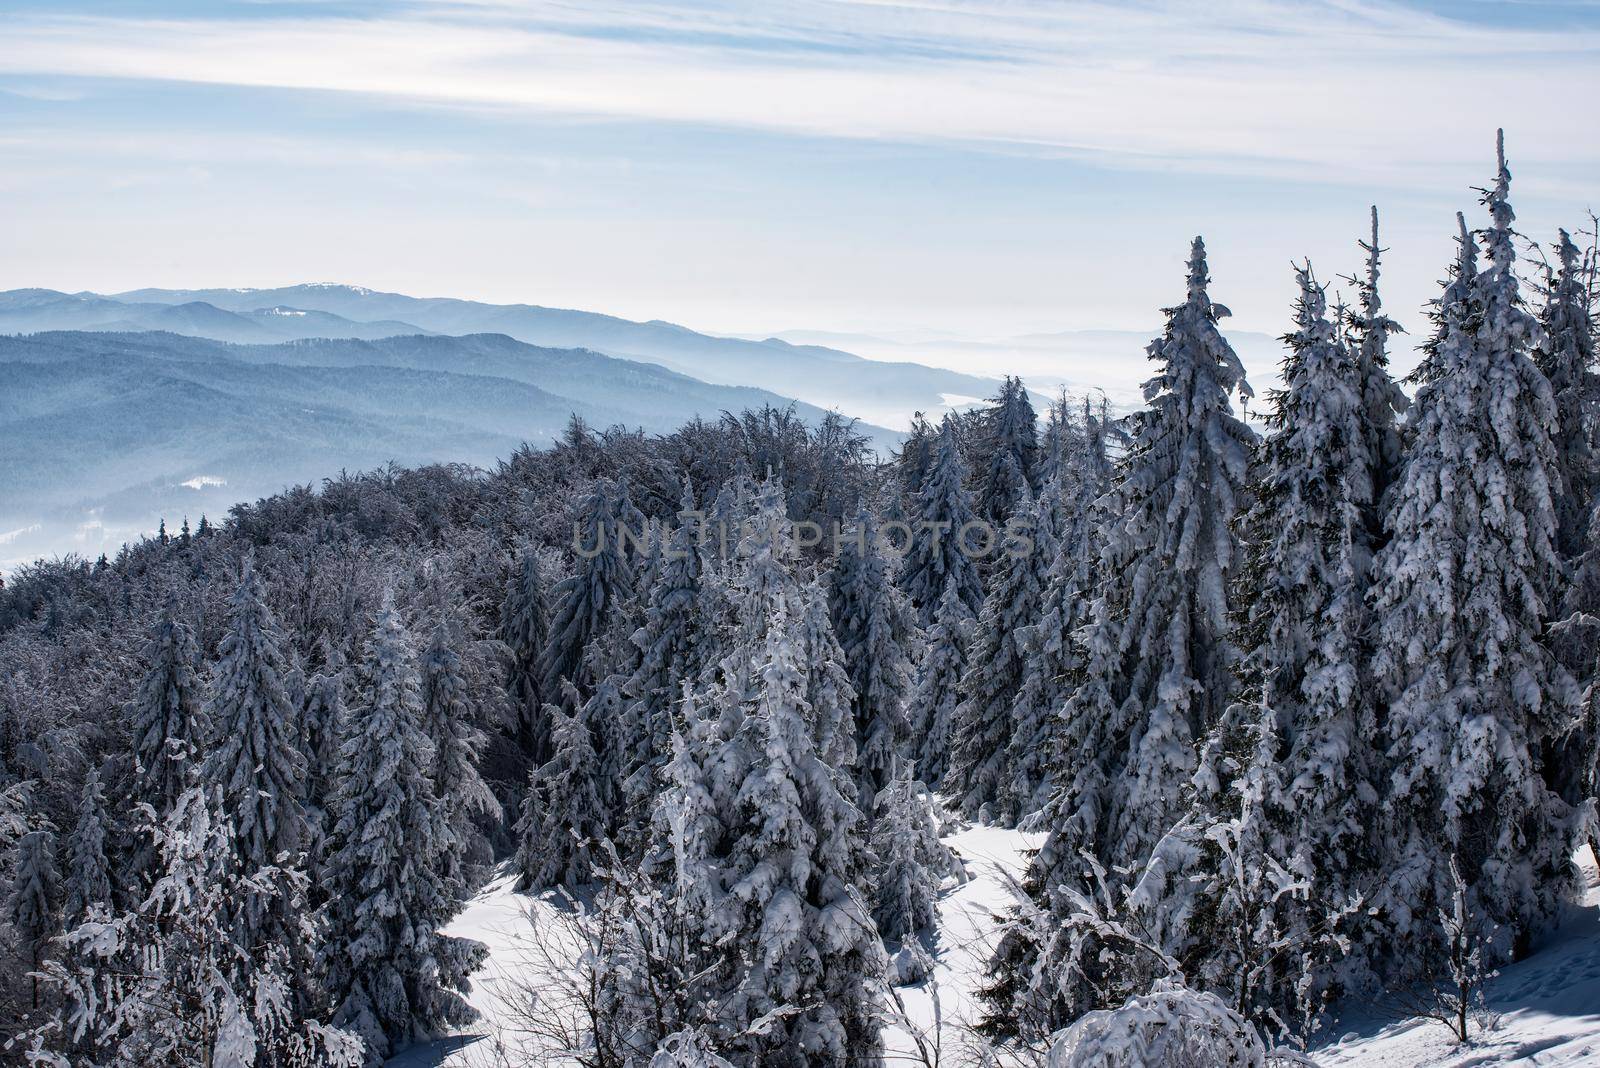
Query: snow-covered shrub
(1170,1027)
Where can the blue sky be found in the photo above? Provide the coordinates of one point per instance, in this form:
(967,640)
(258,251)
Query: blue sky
(983,167)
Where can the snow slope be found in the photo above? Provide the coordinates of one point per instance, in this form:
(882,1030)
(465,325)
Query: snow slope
(1549,1003)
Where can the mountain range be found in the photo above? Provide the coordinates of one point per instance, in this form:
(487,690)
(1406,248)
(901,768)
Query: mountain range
(104,432)
(879,391)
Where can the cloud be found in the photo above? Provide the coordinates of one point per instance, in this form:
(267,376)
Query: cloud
(1347,92)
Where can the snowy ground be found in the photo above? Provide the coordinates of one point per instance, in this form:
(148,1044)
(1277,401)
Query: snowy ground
(1549,1003)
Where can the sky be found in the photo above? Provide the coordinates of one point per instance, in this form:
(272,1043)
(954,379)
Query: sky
(978,168)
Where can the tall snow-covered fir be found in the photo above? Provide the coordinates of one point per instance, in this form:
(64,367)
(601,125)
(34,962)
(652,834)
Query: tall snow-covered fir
(1473,699)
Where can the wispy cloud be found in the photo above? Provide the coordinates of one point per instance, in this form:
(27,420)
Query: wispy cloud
(1340,92)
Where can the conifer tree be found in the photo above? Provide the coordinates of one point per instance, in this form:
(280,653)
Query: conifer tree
(1158,664)
(943,513)
(35,896)
(915,458)
(563,819)
(937,695)
(525,630)
(603,579)
(1473,697)
(88,870)
(829,693)
(981,735)
(167,718)
(674,647)
(1382,399)
(393,978)
(253,759)
(1567,358)
(1008,453)
(911,861)
(1055,660)
(322,724)
(449,719)
(797,935)
(1283,838)
(1167,566)
(876,634)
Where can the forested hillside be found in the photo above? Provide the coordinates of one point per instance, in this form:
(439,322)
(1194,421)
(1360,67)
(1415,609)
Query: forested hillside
(1303,719)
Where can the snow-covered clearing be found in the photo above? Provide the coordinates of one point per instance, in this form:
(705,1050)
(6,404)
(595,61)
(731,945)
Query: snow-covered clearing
(1549,1003)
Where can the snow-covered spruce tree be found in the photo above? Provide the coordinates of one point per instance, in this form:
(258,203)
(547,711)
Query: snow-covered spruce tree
(674,647)
(798,948)
(169,982)
(1008,453)
(829,693)
(253,759)
(1367,331)
(602,579)
(167,717)
(1459,293)
(563,820)
(942,515)
(1159,661)
(1254,892)
(322,723)
(1171,555)
(876,631)
(1567,358)
(939,674)
(1474,699)
(911,861)
(88,882)
(978,777)
(1054,661)
(525,631)
(392,978)
(915,458)
(35,896)
(449,719)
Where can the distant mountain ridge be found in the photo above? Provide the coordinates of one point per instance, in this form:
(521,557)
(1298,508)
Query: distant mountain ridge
(118,429)
(881,391)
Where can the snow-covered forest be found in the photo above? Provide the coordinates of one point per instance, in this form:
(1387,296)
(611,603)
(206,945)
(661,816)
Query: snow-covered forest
(1297,695)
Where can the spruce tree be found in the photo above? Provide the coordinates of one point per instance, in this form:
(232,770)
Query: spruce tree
(563,821)
(1567,356)
(876,634)
(943,534)
(1158,669)
(392,977)
(1473,697)
(525,631)
(829,693)
(88,883)
(979,778)
(911,861)
(322,724)
(167,718)
(674,647)
(1054,663)
(603,578)
(1167,566)
(798,936)
(449,719)
(35,896)
(1382,399)
(1008,453)
(937,695)
(253,759)
(1284,834)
